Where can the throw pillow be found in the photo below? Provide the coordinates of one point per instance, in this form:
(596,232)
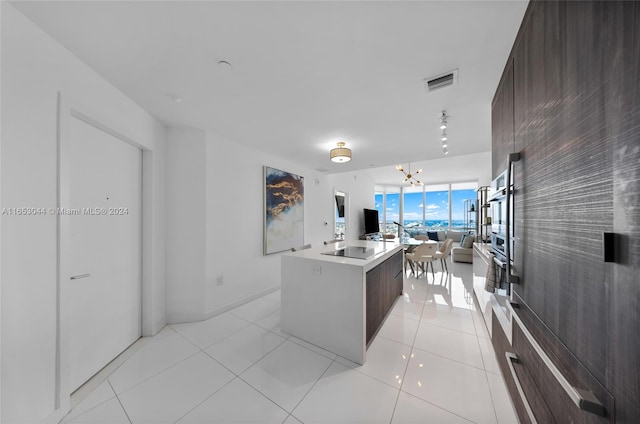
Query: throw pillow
(467,241)
(433,235)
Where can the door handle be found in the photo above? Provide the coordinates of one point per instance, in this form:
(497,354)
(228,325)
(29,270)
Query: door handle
(79,276)
(511,359)
(511,278)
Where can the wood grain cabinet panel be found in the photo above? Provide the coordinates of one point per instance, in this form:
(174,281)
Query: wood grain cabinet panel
(384,285)
(575,77)
(502,122)
(501,346)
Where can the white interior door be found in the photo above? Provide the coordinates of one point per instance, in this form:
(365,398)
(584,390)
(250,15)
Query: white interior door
(104,287)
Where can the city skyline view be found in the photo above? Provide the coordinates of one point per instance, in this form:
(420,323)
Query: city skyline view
(431,211)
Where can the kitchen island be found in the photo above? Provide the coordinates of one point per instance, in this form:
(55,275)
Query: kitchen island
(337,296)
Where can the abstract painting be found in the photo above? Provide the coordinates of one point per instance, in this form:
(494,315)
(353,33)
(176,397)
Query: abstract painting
(283,210)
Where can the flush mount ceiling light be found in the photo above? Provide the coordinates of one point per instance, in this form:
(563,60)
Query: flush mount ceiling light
(409,177)
(340,154)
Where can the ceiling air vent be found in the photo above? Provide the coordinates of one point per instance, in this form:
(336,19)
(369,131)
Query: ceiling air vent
(441,81)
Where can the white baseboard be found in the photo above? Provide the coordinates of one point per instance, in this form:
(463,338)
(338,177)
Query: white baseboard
(186,318)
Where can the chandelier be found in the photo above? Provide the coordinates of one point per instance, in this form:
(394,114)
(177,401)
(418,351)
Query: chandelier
(409,177)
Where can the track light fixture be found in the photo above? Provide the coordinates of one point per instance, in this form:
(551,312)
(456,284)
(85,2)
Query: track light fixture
(443,120)
(443,126)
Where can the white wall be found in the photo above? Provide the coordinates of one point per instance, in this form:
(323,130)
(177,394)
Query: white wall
(186,221)
(214,217)
(235,221)
(34,68)
(361,189)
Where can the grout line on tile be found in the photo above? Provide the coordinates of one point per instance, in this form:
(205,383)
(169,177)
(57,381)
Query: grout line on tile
(313,385)
(296,340)
(439,407)
(493,402)
(448,328)
(154,375)
(449,359)
(356,367)
(90,409)
(407,365)
(208,397)
(255,362)
(121,405)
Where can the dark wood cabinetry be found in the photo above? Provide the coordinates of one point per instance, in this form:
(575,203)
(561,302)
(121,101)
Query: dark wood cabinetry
(575,77)
(502,122)
(540,390)
(384,285)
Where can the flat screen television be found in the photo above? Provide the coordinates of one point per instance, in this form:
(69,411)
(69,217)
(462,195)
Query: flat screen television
(340,206)
(371,223)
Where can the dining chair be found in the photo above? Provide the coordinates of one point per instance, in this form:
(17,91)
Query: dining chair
(443,253)
(422,256)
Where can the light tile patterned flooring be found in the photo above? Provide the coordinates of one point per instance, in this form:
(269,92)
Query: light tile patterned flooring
(432,362)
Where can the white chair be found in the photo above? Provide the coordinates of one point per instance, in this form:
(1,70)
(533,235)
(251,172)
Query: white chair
(443,253)
(423,254)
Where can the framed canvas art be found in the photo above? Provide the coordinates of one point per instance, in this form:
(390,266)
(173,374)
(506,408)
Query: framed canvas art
(283,210)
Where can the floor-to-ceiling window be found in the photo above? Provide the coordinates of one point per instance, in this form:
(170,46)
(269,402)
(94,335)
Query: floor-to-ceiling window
(461,192)
(429,207)
(436,206)
(392,212)
(413,207)
(387,203)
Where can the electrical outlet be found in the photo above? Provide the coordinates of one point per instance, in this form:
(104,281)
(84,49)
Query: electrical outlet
(317,270)
(219,280)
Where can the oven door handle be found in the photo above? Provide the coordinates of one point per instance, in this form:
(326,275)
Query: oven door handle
(511,278)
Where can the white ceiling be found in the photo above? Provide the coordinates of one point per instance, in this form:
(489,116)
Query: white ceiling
(304,74)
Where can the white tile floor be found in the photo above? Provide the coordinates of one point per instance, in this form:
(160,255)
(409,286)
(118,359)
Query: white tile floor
(432,362)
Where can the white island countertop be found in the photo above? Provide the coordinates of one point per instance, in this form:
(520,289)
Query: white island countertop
(323,296)
(380,250)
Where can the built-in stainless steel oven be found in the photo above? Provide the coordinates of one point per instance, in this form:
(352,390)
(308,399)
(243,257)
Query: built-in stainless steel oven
(502,222)
(498,202)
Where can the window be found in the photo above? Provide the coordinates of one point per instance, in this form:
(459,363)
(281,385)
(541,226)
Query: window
(437,207)
(432,207)
(413,207)
(392,213)
(387,203)
(459,193)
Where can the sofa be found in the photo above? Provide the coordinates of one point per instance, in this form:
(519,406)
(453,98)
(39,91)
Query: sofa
(459,252)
